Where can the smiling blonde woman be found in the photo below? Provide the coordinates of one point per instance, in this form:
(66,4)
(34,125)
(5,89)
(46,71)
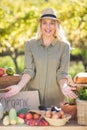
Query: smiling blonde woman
(46,63)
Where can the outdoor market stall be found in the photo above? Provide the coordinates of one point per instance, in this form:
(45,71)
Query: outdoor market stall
(30,99)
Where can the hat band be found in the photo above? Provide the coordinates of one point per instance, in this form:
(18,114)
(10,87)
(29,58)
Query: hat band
(48,15)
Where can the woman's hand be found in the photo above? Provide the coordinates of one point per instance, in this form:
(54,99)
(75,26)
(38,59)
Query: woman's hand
(12,90)
(68,91)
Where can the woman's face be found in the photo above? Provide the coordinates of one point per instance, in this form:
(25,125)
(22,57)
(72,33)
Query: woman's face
(48,27)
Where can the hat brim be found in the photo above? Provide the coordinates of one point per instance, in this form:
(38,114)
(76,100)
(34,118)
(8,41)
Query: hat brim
(49,18)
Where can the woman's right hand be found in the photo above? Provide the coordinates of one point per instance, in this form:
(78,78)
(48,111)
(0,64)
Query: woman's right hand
(12,90)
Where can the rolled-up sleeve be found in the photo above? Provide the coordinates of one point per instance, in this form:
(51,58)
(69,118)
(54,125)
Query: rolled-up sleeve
(62,71)
(28,61)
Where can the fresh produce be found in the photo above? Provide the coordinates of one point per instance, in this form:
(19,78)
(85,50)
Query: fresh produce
(37,122)
(71,101)
(23,111)
(28,116)
(48,114)
(20,121)
(55,114)
(35,119)
(10,71)
(21,115)
(1,111)
(5,113)
(2,71)
(6,120)
(36,116)
(44,122)
(82,94)
(13,116)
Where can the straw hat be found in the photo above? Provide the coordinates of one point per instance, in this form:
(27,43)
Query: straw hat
(49,13)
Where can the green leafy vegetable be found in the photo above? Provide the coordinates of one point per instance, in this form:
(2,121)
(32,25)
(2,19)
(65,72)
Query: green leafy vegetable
(71,101)
(82,95)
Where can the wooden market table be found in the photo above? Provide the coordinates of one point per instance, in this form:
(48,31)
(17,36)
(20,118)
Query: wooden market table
(71,125)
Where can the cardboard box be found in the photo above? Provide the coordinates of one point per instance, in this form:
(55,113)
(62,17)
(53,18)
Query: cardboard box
(24,99)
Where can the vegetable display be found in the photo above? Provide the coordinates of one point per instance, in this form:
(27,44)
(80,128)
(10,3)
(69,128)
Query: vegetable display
(13,116)
(23,116)
(82,95)
(2,71)
(6,120)
(10,71)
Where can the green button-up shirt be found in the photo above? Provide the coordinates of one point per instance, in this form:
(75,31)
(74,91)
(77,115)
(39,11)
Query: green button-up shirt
(46,66)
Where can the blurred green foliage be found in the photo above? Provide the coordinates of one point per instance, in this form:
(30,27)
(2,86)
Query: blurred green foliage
(18,23)
(76,67)
(5,63)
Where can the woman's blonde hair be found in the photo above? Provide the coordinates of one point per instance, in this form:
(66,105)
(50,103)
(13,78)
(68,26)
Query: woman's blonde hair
(59,34)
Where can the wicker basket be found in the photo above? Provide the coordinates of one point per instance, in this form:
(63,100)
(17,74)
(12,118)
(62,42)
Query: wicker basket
(81,112)
(6,81)
(58,122)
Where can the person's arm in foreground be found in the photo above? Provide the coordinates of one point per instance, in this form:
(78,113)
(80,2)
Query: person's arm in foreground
(14,89)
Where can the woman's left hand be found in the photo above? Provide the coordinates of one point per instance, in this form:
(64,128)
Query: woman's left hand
(69,91)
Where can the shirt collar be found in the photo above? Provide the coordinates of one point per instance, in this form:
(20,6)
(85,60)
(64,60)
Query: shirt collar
(52,44)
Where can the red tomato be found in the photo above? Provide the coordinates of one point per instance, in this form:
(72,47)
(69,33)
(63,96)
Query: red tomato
(28,116)
(22,115)
(2,71)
